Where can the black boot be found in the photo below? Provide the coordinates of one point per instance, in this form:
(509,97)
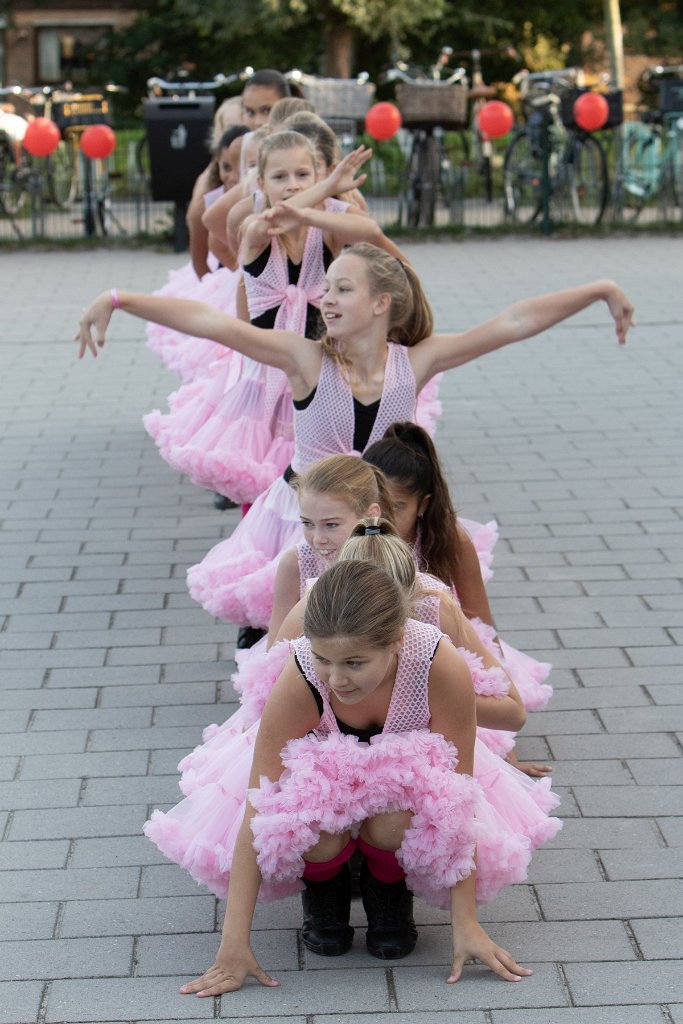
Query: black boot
(247,636)
(327,906)
(222,503)
(389,908)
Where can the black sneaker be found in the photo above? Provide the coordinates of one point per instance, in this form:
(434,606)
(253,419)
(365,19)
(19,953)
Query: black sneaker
(389,907)
(327,907)
(222,503)
(247,636)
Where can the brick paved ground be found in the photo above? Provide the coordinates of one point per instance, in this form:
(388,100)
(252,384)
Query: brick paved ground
(108,671)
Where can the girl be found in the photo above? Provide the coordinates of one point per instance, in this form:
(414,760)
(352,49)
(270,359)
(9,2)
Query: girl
(426,520)
(366,373)
(333,495)
(363,671)
(248,441)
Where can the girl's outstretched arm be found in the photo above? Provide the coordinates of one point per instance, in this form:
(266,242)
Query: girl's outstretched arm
(521,320)
(340,228)
(289,714)
(451,704)
(283,349)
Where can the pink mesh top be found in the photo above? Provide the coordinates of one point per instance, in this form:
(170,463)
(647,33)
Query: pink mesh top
(310,566)
(271,288)
(409,707)
(428,607)
(325,426)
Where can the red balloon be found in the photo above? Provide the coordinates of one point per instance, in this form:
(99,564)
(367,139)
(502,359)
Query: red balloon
(42,137)
(98,141)
(496,119)
(382,121)
(591,111)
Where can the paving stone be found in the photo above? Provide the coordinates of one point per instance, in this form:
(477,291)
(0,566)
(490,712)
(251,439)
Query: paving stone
(637,982)
(104,676)
(652,772)
(175,914)
(63,766)
(659,940)
(638,864)
(159,694)
(186,737)
(44,698)
(623,801)
(649,719)
(120,851)
(191,955)
(70,822)
(578,1015)
(603,745)
(48,854)
(122,999)
(95,718)
(52,793)
(566,865)
(615,833)
(67,958)
(577,773)
(20,1001)
(149,789)
(44,742)
(422,988)
(610,899)
(28,920)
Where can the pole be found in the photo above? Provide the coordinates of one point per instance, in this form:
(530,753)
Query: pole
(615,41)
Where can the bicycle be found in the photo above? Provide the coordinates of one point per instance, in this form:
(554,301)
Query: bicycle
(551,152)
(650,164)
(430,105)
(15,163)
(341,102)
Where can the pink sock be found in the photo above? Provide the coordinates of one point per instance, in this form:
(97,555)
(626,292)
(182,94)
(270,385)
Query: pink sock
(322,871)
(382,864)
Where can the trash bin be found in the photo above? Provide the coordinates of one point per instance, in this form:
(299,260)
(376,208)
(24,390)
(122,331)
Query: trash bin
(177,134)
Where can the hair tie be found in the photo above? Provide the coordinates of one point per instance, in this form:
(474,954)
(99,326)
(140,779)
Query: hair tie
(370,530)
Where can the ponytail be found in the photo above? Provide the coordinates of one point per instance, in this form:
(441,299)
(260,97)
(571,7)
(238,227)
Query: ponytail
(407,455)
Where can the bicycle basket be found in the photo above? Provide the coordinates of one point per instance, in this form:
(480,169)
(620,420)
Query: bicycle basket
(425,104)
(338,99)
(671,95)
(81,109)
(615,102)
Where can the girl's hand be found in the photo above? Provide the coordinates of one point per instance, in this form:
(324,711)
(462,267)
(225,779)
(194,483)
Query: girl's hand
(621,309)
(97,315)
(472,941)
(227,974)
(282,218)
(345,176)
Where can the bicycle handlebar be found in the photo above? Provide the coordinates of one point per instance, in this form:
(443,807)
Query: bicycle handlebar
(398,73)
(217,82)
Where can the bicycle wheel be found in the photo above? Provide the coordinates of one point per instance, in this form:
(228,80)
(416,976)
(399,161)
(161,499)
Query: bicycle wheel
(429,176)
(12,181)
(61,174)
(143,164)
(587,179)
(522,177)
(638,173)
(453,169)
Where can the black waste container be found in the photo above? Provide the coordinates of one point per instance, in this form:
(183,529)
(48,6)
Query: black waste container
(177,134)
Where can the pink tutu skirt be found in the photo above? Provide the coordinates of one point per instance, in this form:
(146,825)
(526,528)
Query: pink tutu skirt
(332,784)
(527,673)
(247,441)
(429,406)
(186,356)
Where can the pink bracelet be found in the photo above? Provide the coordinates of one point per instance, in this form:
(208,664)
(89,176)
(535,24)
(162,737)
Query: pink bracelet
(115,301)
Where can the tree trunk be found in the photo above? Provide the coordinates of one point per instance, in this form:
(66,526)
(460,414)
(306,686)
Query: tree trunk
(338,48)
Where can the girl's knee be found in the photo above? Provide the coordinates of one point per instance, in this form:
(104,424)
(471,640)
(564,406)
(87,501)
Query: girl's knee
(386,831)
(327,848)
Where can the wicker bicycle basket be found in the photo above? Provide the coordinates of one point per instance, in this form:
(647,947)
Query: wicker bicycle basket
(339,98)
(425,104)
